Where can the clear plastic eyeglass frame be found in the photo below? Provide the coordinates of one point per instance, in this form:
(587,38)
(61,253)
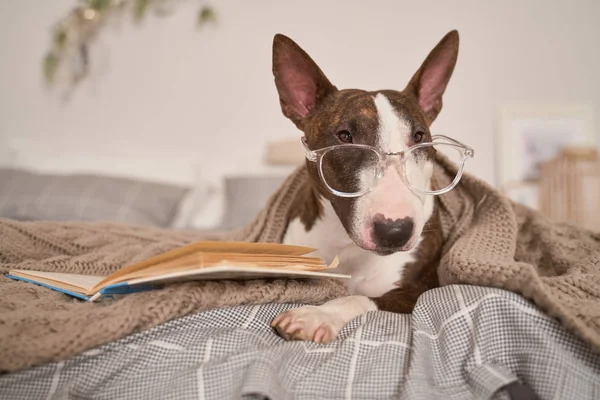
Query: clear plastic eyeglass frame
(465,151)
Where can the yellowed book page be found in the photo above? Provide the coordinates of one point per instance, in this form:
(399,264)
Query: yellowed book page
(207,260)
(199,258)
(75,282)
(291,267)
(153,271)
(232,272)
(271,266)
(259,257)
(222,247)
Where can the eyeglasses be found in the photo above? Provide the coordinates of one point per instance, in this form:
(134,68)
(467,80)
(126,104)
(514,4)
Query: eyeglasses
(351,170)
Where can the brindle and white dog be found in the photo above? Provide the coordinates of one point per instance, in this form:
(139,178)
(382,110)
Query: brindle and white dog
(387,238)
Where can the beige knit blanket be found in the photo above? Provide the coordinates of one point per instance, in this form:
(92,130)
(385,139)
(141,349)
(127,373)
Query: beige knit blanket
(489,242)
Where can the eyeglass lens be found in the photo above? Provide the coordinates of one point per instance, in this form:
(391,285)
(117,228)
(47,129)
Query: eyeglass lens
(354,169)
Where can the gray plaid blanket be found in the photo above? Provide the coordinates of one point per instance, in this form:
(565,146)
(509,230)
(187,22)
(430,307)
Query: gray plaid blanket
(461,342)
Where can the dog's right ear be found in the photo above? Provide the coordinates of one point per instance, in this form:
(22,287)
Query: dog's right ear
(300,82)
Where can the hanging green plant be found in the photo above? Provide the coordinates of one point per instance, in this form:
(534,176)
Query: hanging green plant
(74,33)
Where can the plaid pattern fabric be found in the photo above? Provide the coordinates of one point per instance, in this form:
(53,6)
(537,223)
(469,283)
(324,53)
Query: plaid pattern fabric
(461,342)
(31,196)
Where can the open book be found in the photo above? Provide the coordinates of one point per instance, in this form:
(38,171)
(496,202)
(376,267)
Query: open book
(195,261)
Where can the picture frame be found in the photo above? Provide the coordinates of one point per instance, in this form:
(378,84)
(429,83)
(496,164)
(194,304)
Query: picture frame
(528,135)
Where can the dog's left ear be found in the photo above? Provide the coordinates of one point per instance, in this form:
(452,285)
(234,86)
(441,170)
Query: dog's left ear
(300,82)
(429,82)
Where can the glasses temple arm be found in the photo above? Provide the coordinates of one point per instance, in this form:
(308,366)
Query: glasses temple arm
(469,149)
(310,155)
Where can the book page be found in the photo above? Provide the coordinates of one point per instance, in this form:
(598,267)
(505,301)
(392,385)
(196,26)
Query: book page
(199,259)
(233,272)
(76,282)
(210,246)
(210,260)
(150,272)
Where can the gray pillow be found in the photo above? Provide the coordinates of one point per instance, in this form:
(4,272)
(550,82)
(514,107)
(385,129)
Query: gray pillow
(26,195)
(245,197)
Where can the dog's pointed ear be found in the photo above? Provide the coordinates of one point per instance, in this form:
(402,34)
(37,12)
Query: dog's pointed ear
(300,82)
(429,82)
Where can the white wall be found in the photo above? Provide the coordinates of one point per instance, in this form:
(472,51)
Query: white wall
(166,97)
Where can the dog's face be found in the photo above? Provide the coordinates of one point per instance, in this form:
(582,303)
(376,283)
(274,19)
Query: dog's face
(390,217)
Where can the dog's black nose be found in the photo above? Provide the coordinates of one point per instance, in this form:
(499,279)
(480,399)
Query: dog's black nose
(392,234)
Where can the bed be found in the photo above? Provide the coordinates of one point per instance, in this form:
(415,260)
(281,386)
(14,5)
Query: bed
(461,342)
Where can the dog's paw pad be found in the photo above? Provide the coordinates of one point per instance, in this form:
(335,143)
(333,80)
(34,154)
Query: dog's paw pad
(308,324)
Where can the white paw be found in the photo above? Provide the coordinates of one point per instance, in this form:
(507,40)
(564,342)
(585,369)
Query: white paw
(308,323)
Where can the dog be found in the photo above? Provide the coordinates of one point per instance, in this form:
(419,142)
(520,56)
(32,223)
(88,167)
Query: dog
(388,238)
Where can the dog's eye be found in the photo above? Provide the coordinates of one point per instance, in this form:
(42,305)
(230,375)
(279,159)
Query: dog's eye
(418,136)
(345,136)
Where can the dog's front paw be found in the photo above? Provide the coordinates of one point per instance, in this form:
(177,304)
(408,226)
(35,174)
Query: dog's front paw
(309,323)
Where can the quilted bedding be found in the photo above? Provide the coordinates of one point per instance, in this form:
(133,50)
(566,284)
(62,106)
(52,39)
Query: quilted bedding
(461,342)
